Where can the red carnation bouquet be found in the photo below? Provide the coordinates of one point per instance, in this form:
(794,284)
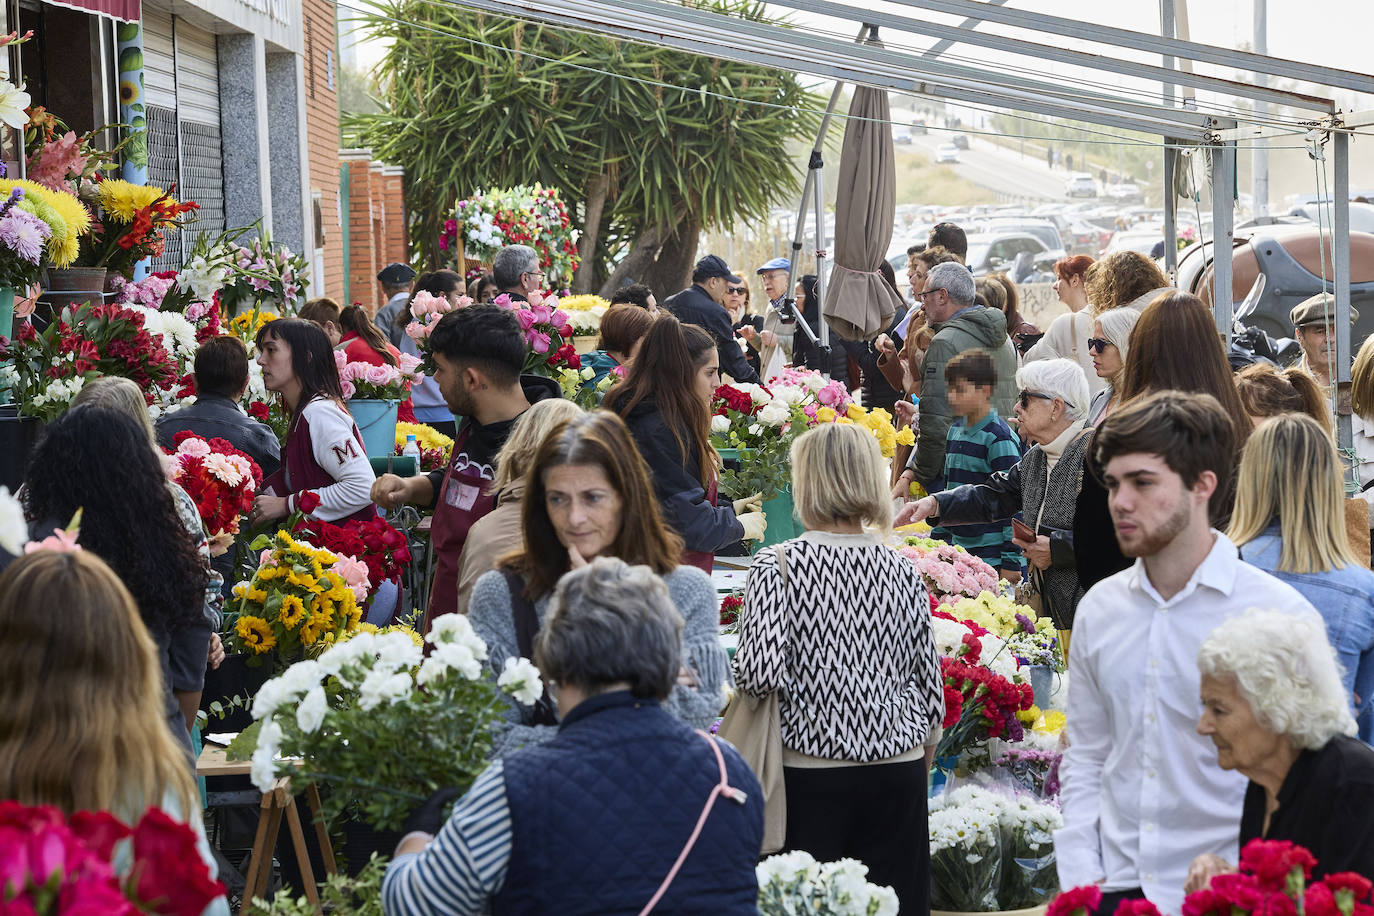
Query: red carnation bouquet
(980,703)
(1272,880)
(372,542)
(221,479)
(51,864)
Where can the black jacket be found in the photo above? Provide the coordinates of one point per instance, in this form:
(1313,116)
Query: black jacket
(695,306)
(214,415)
(704,528)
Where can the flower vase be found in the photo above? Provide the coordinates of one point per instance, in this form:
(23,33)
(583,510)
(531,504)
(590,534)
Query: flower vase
(782,523)
(71,286)
(376,420)
(19,436)
(7,297)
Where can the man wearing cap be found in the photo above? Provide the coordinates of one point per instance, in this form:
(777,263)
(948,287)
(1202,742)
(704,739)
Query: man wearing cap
(701,304)
(396,279)
(774,275)
(1314,320)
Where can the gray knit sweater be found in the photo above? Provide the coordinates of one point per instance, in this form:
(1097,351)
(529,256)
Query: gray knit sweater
(695,597)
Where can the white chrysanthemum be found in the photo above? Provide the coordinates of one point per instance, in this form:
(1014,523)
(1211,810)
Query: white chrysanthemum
(264,766)
(14,531)
(787,867)
(310,712)
(459,657)
(521,680)
(381,686)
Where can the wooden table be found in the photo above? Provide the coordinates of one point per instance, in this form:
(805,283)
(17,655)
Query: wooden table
(276,801)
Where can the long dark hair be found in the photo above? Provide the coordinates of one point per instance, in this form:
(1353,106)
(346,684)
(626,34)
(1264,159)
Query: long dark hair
(312,358)
(354,319)
(100,461)
(600,439)
(664,372)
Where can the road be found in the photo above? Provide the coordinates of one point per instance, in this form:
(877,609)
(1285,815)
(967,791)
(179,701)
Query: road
(1001,170)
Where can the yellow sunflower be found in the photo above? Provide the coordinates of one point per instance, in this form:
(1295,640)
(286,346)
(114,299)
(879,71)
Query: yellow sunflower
(302,580)
(309,635)
(256,595)
(256,634)
(292,611)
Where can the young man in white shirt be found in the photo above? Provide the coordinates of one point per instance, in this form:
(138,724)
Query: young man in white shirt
(1142,793)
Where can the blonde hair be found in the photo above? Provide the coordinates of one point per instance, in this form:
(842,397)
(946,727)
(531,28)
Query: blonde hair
(1267,392)
(119,394)
(1362,379)
(1290,471)
(1117,326)
(838,475)
(528,433)
(82,722)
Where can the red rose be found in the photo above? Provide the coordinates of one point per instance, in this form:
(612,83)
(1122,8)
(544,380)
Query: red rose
(168,873)
(90,895)
(259,411)
(307,502)
(1075,900)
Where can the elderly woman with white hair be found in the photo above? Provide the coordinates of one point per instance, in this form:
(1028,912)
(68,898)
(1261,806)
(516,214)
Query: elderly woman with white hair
(1109,344)
(1274,706)
(1051,489)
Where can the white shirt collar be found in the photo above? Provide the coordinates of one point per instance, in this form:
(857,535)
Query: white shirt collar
(1217,571)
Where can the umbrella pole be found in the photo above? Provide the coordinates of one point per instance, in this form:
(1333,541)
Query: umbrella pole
(787,308)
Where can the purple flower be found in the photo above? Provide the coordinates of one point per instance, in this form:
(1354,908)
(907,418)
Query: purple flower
(24,234)
(1027,624)
(16,195)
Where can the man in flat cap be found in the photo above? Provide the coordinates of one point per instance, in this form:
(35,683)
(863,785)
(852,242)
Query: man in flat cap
(701,304)
(396,279)
(1314,320)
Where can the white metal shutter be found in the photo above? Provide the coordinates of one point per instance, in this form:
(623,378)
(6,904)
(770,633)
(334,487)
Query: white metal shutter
(202,157)
(159,59)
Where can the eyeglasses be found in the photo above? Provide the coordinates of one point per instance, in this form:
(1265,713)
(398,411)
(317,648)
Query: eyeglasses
(1027,395)
(930,292)
(537,273)
(735,290)
(1098,344)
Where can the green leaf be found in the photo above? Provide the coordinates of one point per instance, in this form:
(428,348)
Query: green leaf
(243,745)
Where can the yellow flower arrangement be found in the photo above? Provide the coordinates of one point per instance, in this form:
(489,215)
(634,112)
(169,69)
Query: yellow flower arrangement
(246,328)
(122,200)
(1051,722)
(66,216)
(427,437)
(583,303)
(394,628)
(295,600)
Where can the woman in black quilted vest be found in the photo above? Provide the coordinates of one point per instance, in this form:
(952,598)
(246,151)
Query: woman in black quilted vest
(1052,490)
(838,625)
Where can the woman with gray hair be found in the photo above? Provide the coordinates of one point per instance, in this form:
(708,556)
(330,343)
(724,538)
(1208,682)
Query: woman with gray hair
(626,809)
(1274,706)
(1109,345)
(1052,490)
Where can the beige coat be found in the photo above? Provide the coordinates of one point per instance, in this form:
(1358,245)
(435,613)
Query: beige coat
(492,537)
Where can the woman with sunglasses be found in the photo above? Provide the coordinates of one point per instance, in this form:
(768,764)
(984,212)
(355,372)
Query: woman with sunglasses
(1108,346)
(1052,490)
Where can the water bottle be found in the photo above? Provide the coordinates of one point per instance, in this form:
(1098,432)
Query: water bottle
(412,448)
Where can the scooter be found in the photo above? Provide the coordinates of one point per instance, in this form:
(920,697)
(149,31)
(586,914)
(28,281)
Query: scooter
(1250,344)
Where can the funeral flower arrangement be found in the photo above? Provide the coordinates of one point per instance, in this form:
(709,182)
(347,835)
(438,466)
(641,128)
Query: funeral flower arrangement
(85,341)
(220,479)
(53,864)
(301,599)
(584,312)
(345,714)
(991,850)
(384,382)
(535,216)
(794,883)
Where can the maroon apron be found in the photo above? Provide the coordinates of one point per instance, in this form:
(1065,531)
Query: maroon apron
(699,558)
(463,499)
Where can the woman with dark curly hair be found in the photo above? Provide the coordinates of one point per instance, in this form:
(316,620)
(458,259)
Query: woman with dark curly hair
(98,460)
(1124,278)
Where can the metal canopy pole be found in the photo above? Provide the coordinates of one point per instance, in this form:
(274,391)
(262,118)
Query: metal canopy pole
(1223,225)
(1340,256)
(1171,157)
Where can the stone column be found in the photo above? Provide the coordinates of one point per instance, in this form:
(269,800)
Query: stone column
(287,168)
(244,129)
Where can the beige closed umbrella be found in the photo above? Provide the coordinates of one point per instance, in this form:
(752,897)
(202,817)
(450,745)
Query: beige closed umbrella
(858,302)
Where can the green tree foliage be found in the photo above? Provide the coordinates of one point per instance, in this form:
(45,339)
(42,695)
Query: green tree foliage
(648,145)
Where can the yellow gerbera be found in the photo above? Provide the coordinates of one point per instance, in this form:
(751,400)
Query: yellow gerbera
(292,611)
(121,199)
(256,634)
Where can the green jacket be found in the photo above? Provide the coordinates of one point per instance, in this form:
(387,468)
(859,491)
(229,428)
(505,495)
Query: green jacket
(978,328)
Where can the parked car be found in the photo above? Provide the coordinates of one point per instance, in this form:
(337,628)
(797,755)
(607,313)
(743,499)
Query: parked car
(1361,215)
(1141,239)
(1012,252)
(1043,229)
(901,135)
(947,152)
(1289,258)
(1124,192)
(961,141)
(919,127)
(1080,185)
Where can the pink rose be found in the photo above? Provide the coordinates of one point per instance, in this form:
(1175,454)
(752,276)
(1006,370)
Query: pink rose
(354,572)
(408,364)
(380,375)
(538,341)
(526,318)
(340,359)
(558,318)
(542,313)
(265,559)
(348,391)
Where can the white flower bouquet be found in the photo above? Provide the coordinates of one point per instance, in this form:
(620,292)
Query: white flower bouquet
(1030,875)
(379,723)
(794,883)
(991,850)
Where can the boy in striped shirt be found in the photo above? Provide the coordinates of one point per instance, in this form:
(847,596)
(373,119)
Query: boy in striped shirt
(979,444)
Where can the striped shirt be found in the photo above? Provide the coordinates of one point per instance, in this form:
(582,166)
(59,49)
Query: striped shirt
(466,864)
(972,455)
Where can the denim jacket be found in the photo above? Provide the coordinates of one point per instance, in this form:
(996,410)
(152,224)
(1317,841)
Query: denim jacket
(1345,599)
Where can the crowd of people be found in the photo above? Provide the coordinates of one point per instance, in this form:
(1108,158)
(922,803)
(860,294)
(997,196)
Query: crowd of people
(1185,528)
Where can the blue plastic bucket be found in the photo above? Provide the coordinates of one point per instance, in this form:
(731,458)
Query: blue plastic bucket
(377,422)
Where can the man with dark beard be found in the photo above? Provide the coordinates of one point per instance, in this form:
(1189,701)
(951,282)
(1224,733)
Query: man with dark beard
(1142,794)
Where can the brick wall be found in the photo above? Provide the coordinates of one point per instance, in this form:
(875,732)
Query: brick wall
(322,132)
(377,225)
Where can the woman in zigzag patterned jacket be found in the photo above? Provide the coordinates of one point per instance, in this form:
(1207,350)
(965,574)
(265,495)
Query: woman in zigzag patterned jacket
(838,624)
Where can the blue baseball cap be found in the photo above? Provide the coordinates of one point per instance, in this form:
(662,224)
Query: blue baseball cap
(775,264)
